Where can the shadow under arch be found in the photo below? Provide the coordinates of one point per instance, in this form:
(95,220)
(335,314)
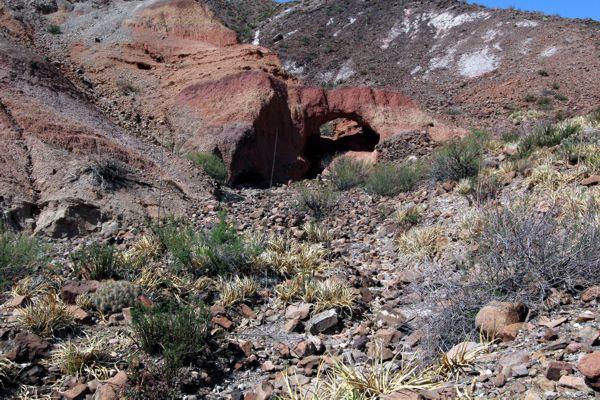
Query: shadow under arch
(336,135)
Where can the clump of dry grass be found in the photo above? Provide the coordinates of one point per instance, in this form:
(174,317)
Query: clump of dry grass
(324,295)
(46,316)
(153,279)
(464,186)
(289,258)
(32,288)
(147,248)
(316,232)
(90,358)
(471,224)
(84,301)
(421,242)
(408,216)
(345,380)
(546,177)
(237,290)
(5,366)
(330,293)
(289,290)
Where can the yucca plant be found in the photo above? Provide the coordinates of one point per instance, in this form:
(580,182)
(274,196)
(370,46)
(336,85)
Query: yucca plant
(316,232)
(384,377)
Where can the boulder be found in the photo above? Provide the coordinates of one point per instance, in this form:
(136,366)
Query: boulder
(590,294)
(492,319)
(77,392)
(112,388)
(589,366)
(297,311)
(591,181)
(556,369)
(391,317)
(71,289)
(514,361)
(24,346)
(322,322)
(511,332)
(263,391)
(573,382)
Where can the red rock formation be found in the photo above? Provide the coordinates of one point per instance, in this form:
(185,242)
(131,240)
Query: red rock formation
(228,98)
(170,71)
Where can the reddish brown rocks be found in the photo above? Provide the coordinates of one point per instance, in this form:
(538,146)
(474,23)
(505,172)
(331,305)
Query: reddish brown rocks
(510,332)
(76,392)
(112,388)
(71,289)
(171,73)
(297,311)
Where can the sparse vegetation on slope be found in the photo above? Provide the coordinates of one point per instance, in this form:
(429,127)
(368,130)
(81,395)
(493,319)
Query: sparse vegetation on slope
(19,253)
(178,332)
(388,180)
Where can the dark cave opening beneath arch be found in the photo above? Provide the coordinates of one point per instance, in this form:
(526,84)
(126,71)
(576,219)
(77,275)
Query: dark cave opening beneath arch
(337,136)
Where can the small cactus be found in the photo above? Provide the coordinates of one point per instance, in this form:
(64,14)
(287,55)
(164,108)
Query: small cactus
(113,296)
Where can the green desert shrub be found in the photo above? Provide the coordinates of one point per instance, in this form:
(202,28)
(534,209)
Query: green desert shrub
(316,201)
(484,188)
(178,238)
(54,29)
(179,332)
(98,261)
(224,251)
(544,103)
(547,136)
(459,158)
(347,173)
(19,253)
(211,164)
(385,179)
(219,250)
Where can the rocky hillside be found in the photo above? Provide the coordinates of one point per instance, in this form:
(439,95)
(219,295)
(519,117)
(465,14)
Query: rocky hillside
(245,16)
(181,217)
(495,68)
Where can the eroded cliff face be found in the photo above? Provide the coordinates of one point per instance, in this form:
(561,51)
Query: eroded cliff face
(146,83)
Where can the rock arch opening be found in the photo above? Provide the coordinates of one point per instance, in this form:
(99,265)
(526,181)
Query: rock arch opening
(335,136)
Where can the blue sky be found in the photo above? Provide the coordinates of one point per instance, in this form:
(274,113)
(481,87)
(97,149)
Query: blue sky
(566,8)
